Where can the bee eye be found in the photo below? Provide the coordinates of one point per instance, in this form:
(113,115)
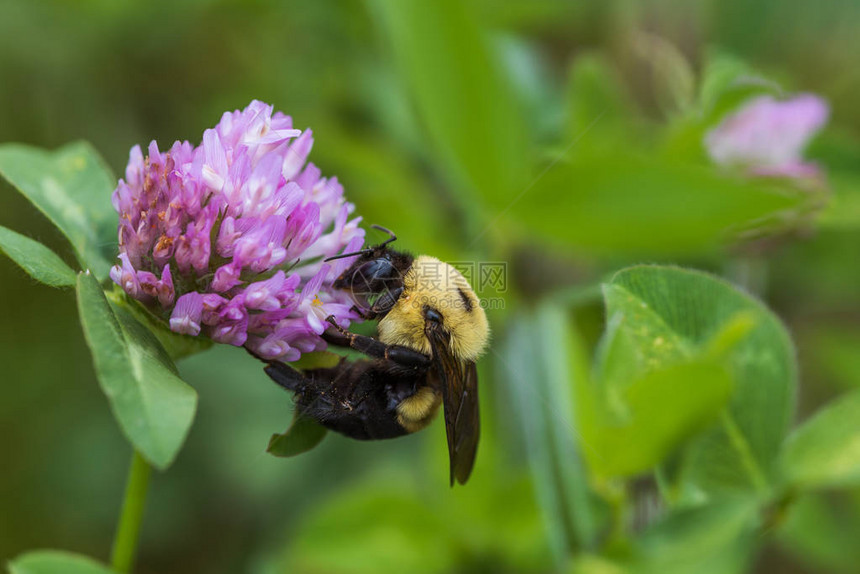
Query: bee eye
(374,285)
(432,315)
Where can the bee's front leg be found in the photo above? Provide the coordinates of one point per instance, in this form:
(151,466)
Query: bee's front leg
(371,347)
(365,315)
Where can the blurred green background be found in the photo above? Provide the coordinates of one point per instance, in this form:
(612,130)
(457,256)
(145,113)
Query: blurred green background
(579,81)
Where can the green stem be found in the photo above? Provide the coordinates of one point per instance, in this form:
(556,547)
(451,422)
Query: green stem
(128,529)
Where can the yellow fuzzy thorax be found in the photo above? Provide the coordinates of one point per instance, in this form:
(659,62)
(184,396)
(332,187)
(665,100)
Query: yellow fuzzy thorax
(435,284)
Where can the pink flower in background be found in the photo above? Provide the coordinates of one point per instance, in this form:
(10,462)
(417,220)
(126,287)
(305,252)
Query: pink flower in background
(227,239)
(768,136)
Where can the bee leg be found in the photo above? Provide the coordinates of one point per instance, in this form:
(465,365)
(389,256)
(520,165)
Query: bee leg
(371,347)
(286,376)
(365,315)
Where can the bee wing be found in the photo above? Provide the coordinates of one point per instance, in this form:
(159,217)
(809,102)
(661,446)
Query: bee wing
(459,383)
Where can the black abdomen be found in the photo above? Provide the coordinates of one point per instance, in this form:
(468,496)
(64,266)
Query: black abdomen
(358,399)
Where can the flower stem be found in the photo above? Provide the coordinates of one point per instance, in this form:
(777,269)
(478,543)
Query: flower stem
(128,529)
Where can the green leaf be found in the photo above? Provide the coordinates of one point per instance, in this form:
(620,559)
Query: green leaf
(713,539)
(56,562)
(637,339)
(72,187)
(518,365)
(538,376)
(723,74)
(461,95)
(303,435)
(842,210)
(529,73)
(653,388)
(626,203)
(825,450)
(722,321)
(153,405)
(661,410)
(40,262)
(598,106)
(177,346)
(556,337)
(820,531)
(317,360)
(659,388)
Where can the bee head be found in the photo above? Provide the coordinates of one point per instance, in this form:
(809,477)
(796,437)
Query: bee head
(412,294)
(375,278)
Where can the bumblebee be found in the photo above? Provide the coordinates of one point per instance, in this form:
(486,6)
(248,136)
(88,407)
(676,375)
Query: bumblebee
(431,330)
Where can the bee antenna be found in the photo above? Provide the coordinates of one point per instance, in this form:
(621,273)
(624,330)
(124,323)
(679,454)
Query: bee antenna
(388,231)
(367,250)
(345,255)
